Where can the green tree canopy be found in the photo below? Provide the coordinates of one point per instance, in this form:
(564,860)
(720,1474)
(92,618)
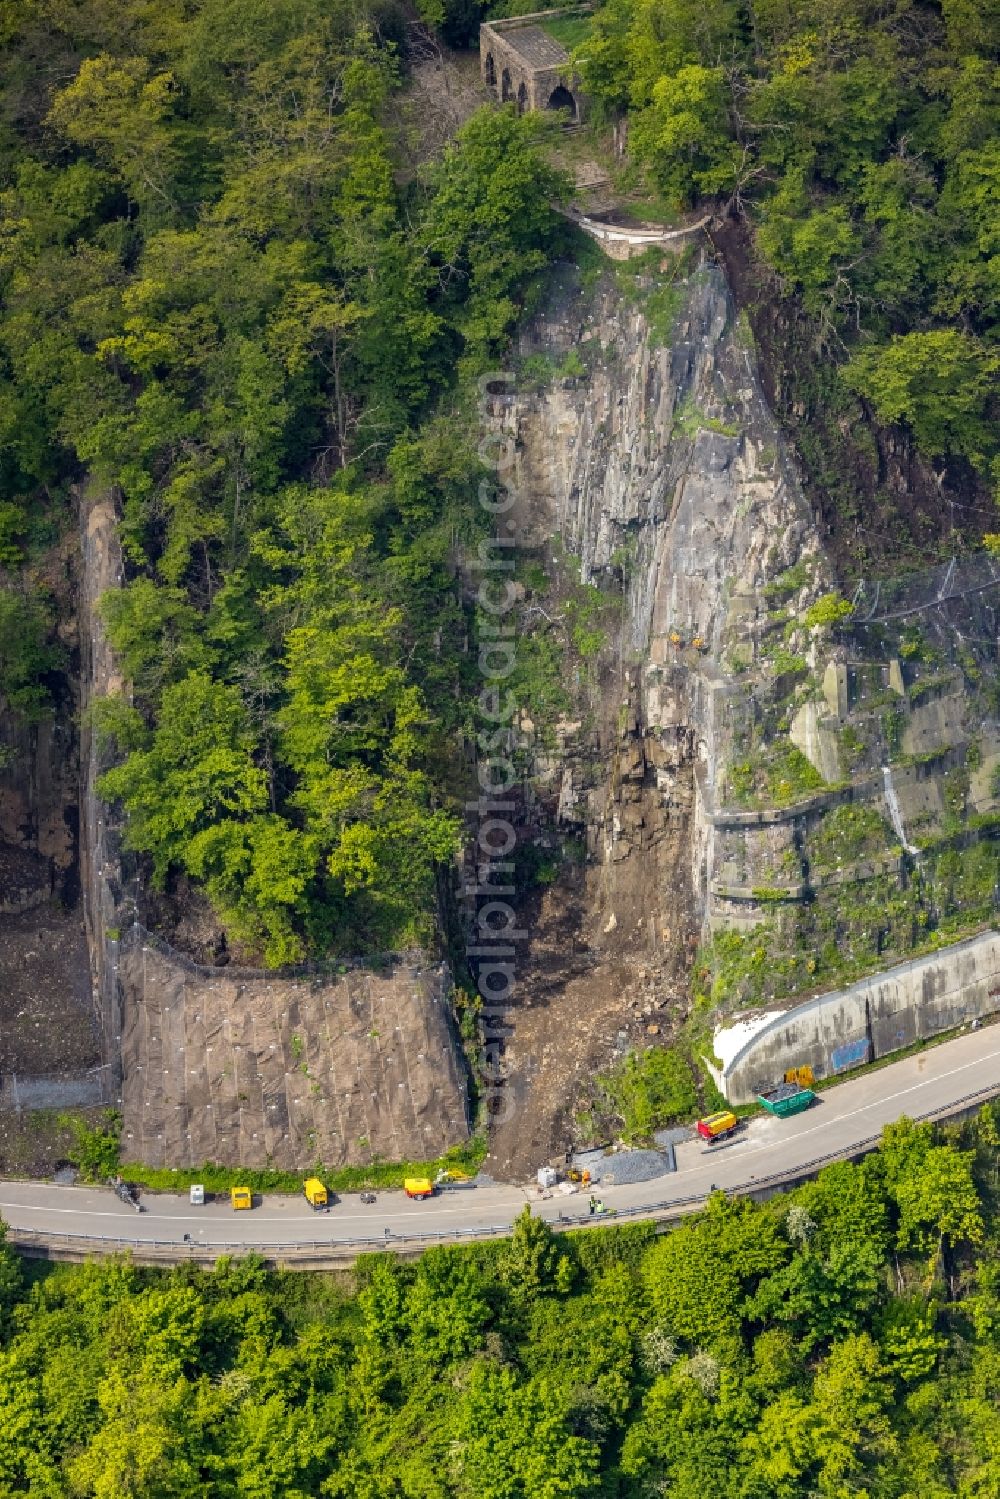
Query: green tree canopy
(940,383)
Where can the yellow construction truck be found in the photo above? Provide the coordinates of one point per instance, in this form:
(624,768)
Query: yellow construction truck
(241,1198)
(316,1194)
(719,1126)
(418,1186)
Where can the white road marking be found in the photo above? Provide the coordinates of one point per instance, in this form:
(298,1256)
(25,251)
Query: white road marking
(150,1218)
(274,1227)
(825,1123)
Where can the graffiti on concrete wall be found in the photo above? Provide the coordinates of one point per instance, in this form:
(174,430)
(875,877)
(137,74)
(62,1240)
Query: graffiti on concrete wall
(851,1054)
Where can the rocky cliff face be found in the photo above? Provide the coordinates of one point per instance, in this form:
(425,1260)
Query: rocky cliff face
(254,1069)
(49,1043)
(744,751)
(658,476)
(666,447)
(106,908)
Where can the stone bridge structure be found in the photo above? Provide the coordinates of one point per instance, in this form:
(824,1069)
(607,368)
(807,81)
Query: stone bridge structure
(522,64)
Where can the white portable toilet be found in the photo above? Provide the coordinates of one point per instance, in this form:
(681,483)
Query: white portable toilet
(198,1197)
(547,1177)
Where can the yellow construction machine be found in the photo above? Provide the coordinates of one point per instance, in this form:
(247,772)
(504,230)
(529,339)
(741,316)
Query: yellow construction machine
(316,1194)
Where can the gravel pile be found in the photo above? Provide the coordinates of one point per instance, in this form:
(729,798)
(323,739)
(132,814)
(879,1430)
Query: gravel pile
(624,1166)
(592,1161)
(675,1136)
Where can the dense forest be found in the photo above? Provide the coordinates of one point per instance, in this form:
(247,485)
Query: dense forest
(217,299)
(842,1340)
(860,142)
(223,296)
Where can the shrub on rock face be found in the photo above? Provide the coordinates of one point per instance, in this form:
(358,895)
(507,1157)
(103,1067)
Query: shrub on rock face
(828,610)
(940,383)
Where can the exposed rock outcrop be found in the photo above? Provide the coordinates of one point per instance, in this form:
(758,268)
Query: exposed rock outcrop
(663,470)
(729,754)
(105,906)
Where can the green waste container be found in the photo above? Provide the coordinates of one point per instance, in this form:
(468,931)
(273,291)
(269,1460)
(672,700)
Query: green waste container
(786,1099)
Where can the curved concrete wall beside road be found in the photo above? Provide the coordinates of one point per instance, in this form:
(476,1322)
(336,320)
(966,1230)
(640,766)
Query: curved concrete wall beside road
(871,1018)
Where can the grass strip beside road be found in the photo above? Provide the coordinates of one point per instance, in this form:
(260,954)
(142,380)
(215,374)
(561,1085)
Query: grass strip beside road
(378,1175)
(94,1148)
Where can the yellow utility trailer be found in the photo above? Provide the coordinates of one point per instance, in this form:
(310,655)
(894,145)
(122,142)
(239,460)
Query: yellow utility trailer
(241,1198)
(316,1194)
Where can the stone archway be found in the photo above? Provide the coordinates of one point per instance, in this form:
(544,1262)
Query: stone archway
(491,72)
(561,98)
(506,87)
(522,99)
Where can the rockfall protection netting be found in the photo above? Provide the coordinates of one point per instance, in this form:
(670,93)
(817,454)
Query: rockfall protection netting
(955,607)
(282,1071)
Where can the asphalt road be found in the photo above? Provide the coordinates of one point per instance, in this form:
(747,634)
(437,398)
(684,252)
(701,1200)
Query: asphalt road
(842,1120)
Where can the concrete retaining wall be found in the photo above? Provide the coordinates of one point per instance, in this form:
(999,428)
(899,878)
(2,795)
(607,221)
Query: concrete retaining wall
(872,1018)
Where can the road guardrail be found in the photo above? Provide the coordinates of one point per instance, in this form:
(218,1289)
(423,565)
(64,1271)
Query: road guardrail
(41,1241)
